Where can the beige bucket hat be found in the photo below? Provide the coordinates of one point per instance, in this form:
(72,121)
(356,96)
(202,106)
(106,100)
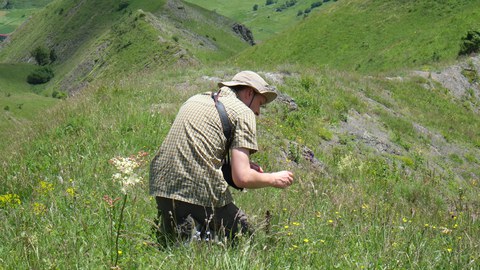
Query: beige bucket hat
(252,79)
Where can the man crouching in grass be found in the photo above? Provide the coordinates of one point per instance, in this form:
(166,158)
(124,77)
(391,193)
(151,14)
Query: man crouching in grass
(185,175)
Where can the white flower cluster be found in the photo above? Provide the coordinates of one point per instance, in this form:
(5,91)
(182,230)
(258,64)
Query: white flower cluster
(126,175)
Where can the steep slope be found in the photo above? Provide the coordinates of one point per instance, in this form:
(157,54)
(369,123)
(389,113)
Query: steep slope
(265,18)
(373,35)
(91,37)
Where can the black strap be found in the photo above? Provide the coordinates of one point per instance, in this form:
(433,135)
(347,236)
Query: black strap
(227,127)
(227,131)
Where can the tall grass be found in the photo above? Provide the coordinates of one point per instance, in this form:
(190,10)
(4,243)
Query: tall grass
(356,209)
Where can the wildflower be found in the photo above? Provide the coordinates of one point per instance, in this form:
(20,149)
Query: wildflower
(126,167)
(296,223)
(455,226)
(286,226)
(39,209)
(364,206)
(445,230)
(449,250)
(289,233)
(305,240)
(120,252)
(294,246)
(71,191)
(405,220)
(111,202)
(9,200)
(45,187)
(322,241)
(330,221)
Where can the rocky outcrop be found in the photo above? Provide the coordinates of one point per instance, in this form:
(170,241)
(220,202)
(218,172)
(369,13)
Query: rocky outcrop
(244,33)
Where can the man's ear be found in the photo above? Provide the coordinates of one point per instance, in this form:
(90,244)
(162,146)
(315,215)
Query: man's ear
(250,92)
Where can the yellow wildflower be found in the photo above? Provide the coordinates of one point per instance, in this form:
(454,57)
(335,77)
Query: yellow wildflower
(296,223)
(449,249)
(286,226)
(45,187)
(71,192)
(39,208)
(305,240)
(8,199)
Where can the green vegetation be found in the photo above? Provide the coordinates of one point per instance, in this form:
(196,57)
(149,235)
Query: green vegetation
(386,168)
(361,199)
(372,36)
(470,43)
(265,22)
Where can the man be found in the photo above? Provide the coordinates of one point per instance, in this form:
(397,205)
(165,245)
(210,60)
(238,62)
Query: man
(185,175)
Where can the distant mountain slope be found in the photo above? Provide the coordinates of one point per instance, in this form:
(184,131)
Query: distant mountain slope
(373,35)
(105,38)
(265,18)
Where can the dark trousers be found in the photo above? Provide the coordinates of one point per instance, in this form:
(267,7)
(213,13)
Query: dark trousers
(178,219)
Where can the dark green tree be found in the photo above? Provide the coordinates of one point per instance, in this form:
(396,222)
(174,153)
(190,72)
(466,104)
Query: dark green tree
(470,43)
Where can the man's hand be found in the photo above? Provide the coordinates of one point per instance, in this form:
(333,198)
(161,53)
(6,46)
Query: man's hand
(247,174)
(283,179)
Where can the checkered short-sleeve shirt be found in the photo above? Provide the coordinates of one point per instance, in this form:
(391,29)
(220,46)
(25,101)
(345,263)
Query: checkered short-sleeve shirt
(187,166)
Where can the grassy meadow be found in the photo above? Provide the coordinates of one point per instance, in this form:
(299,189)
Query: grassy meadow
(358,210)
(386,168)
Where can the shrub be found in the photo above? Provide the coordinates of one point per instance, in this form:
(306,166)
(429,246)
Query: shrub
(52,56)
(470,43)
(40,75)
(59,94)
(41,55)
(255,7)
(269,2)
(123,5)
(316,4)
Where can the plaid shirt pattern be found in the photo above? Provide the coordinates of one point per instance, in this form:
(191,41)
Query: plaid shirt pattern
(187,165)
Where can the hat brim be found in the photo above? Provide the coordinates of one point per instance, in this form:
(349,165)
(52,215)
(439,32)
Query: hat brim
(269,95)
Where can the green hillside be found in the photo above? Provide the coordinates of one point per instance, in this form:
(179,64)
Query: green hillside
(369,35)
(14,12)
(266,20)
(96,40)
(387,167)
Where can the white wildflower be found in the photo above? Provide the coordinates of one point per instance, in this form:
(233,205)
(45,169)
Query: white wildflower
(126,175)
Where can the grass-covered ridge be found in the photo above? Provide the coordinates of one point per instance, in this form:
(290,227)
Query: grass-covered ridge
(370,35)
(98,40)
(264,20)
